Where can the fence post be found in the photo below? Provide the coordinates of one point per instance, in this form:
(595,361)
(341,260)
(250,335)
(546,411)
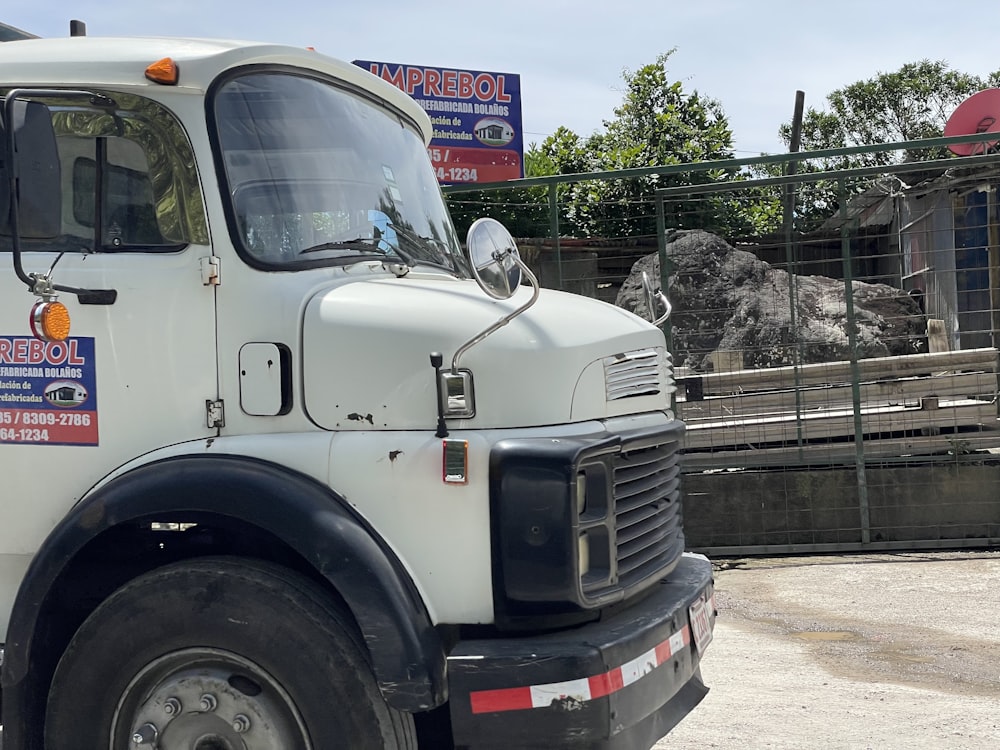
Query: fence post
(852,340)
(791,191)
(554,231)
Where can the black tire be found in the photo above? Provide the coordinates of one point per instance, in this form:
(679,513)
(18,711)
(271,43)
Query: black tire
(202,649)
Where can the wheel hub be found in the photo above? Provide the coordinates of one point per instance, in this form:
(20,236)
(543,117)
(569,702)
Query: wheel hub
(207,699)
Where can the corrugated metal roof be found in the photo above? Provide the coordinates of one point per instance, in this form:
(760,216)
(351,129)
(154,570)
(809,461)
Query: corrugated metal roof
(872,207)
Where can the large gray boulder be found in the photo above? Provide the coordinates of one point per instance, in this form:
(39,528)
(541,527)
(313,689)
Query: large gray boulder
(728,300)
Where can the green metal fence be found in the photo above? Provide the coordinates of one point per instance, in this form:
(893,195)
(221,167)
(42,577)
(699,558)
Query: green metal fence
(835,332)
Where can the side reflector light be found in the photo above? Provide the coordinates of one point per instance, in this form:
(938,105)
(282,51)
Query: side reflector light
(49,321)
(455,461)
(163,71)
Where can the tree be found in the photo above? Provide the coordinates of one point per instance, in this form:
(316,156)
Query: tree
(657,123)
(525,211)
(909,104)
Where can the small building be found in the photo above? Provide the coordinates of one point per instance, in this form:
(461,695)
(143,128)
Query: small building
(950,252)
(934,234)
(491,132)
(66,393)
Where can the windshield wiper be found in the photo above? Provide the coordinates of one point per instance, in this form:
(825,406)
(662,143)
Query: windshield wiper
(376,245)
(428,249)
(358,244)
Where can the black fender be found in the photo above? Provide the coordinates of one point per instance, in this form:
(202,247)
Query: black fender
(406,651)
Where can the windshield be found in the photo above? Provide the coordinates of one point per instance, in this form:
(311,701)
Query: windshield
(318,175)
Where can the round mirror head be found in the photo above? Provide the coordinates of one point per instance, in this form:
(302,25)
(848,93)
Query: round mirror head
(492,254)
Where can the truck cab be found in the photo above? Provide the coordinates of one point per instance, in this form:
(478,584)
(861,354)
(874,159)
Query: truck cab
(284,464)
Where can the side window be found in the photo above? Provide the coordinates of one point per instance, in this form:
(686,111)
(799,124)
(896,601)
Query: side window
(126,175)
(128,214)
(115,176)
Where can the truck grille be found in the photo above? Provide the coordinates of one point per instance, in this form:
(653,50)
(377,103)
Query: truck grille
(648,525)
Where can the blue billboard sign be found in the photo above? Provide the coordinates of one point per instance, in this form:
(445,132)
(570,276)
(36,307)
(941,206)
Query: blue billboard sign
(476,117)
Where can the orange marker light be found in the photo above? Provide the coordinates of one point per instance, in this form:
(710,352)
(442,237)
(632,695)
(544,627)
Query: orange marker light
(50,321)
(163,71)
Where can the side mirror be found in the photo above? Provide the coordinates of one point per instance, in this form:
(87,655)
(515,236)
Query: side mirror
(498,269)
(31,163)
(496,264)
(32,192)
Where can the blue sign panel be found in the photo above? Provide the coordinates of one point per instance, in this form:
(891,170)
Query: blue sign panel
(476,118)
(48,391)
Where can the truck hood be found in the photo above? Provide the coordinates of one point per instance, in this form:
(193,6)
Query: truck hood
(367,346)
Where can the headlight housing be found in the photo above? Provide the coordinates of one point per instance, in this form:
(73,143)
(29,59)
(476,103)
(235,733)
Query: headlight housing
(563,542)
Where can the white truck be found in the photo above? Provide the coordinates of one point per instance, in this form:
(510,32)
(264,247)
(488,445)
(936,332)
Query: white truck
(282,466)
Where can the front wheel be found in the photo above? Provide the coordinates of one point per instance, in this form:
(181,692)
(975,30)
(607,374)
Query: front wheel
(219,654)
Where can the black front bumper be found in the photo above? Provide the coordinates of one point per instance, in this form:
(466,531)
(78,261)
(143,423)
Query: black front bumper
(621,683)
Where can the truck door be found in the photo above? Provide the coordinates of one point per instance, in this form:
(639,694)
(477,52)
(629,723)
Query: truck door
(136,371)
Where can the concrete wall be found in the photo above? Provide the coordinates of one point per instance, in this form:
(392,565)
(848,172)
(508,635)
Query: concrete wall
(942,503)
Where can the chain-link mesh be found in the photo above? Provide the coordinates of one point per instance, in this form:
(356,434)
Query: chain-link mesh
(834,332)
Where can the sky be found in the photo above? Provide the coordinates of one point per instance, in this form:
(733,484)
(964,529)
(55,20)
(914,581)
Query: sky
(749,55)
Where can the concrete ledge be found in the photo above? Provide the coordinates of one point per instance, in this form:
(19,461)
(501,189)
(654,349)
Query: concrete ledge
(937,504)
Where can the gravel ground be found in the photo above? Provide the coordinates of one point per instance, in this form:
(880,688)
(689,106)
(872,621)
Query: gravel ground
(879,652)
(853,652)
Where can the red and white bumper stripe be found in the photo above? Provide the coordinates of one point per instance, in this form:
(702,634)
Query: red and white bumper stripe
(583,689)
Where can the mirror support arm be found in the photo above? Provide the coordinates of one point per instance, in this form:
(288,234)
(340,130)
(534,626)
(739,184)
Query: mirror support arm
(654,297)
(442,425)
(505,319)
(15,239)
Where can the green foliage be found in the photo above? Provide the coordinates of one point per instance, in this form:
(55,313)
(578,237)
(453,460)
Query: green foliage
(524,211)
(755,212)
(911,103)
(657,123)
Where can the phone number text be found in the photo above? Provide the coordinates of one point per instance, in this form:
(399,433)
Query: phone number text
(45,418)
(24,435)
